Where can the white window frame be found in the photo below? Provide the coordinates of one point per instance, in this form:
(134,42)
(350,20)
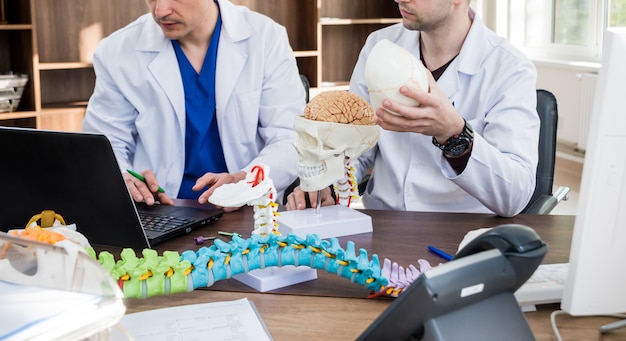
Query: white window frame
(509,18)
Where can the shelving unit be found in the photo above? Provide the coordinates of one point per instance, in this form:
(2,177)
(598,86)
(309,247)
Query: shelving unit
(301,19)
(53,41)
(65,65)
(17,55)
(345,24)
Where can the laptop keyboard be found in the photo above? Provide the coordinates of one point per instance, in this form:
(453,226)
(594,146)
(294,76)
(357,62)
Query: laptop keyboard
(160,223)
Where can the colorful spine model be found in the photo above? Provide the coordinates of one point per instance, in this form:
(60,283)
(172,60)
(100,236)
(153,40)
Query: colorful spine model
(171,273)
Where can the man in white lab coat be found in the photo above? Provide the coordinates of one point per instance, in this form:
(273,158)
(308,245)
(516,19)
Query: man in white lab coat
(472,143)
(195,94)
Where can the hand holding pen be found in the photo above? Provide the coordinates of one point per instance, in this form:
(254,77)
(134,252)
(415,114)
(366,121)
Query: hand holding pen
(147,189)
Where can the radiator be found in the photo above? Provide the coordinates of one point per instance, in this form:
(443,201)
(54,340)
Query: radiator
(587,92)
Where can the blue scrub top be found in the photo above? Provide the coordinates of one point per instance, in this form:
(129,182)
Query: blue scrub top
(203,147)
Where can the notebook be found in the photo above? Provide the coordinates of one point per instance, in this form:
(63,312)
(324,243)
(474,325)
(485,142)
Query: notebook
(77,176)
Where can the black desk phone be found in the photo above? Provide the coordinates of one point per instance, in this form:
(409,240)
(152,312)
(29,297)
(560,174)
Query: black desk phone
(471,296)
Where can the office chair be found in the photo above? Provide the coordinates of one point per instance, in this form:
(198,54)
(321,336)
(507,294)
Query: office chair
(542,200)
(307,86)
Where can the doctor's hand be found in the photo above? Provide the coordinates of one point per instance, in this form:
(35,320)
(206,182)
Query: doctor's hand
(435,115)
(213,181)
(146,191)
(299,199)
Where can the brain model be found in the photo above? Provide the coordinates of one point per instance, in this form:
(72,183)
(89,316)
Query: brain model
(337,127)
(339,107)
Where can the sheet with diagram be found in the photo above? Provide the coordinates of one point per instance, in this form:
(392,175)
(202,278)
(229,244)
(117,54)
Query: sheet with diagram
(228,320)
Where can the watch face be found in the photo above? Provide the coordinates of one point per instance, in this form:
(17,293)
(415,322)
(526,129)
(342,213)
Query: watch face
(457,144)
(458,147)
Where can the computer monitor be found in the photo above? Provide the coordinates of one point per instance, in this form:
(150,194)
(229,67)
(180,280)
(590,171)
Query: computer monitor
(596,280)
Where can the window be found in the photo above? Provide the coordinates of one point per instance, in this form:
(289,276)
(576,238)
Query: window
(571,21)
(617,13)
(568,30)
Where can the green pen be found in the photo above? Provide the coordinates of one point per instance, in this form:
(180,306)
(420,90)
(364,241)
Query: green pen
(140,177)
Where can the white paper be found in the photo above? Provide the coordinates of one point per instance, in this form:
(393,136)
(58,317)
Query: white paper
(229,320)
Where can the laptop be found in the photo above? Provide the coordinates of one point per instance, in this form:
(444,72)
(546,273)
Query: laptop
(77,176)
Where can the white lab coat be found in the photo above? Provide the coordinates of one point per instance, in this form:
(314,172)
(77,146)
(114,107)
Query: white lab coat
(138,101)
(492,85)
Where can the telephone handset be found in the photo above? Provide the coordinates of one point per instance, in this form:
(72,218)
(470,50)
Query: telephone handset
(520,244)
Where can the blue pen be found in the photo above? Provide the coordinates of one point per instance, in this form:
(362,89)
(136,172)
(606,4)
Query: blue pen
(440,253)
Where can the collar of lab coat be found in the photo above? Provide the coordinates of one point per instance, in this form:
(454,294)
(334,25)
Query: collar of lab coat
(468,62)
(479,38)
(230,60)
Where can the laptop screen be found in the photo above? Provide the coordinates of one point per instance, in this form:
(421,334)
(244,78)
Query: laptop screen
(74,174)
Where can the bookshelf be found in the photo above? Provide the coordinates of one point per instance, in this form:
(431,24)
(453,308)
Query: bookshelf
(18,55)
(53,41)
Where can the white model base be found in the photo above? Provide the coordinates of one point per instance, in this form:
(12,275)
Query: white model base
(331,221)
(276,277)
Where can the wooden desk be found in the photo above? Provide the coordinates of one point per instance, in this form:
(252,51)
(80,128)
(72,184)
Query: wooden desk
(333,308)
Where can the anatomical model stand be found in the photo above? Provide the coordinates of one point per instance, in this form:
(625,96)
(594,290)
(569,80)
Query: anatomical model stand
(336,128)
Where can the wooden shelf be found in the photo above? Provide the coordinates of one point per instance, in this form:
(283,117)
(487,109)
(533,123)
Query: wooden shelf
(312,53)
(14,115)
(64,66)
(55,107)
(340,21)
(15,27)
(67,116)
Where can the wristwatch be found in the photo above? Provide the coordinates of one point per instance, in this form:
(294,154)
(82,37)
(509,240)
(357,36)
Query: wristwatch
(458,144)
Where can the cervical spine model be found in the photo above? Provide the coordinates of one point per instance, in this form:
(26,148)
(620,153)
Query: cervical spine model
(337,127)
(256,190)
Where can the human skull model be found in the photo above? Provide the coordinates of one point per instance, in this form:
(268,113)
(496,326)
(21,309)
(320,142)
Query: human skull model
(336,125)
(389,67)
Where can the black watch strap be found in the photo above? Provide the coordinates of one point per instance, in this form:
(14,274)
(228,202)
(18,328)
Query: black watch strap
(458,144)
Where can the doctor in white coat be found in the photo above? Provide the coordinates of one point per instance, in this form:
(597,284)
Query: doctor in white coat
(472,143)
(140,97)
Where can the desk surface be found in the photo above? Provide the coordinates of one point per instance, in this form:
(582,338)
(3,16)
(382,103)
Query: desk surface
(332,307)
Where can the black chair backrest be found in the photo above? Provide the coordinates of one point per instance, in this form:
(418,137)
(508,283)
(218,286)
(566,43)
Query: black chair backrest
(307,86)
(548,114)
